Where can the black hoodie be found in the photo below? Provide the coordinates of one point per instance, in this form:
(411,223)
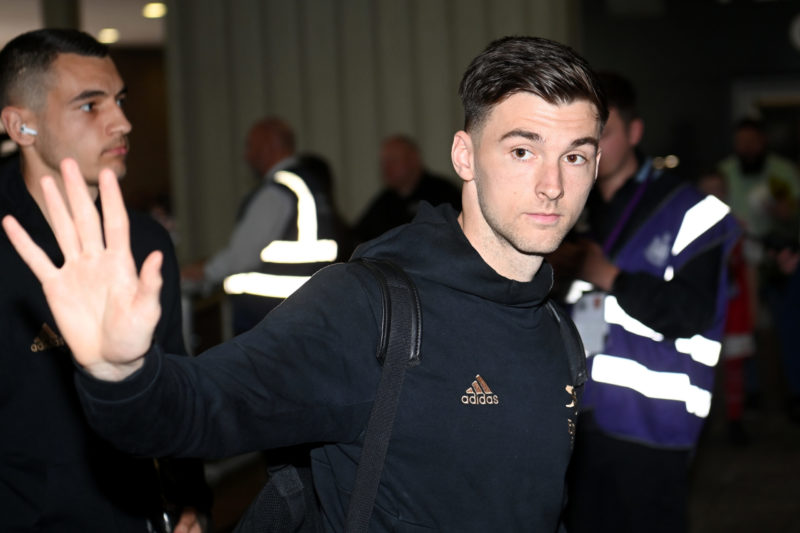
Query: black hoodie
(55,473)
(483,433)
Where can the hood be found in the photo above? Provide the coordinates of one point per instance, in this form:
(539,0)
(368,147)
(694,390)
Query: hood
(434,247)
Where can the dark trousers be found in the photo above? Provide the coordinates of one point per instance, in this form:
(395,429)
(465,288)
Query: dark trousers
(617,486)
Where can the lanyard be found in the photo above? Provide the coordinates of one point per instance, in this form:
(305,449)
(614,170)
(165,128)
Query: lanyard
(643,177)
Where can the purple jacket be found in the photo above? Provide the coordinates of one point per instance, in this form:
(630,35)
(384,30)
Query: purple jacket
(643,386)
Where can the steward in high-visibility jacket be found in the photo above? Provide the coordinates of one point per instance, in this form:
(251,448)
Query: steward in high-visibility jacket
(315,237)
(651,377)
(652,339)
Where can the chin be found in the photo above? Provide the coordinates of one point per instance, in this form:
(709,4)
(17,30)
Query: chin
(119,169)
(539,248)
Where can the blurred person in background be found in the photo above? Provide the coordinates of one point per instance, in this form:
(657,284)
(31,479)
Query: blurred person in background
(273,212)
(763,192)
(738,342)
(61,96)
(406,183)
(649,299)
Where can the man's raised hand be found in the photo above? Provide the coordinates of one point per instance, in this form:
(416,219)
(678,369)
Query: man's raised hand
(106,312)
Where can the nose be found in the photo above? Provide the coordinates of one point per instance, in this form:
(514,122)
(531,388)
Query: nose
(549,183)
(119,124)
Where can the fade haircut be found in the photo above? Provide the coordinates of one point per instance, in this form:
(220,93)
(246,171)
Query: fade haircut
(25,62)
(552,71)
(620,95)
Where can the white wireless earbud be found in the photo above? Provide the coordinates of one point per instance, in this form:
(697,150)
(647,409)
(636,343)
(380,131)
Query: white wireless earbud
(29,131)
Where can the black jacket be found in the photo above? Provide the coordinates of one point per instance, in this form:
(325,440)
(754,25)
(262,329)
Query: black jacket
(484,427)
(389,210)
(55,473)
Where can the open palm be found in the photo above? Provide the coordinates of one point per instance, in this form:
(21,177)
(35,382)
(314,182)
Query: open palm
(105,310)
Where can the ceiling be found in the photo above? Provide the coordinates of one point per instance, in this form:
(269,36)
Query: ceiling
(19,16)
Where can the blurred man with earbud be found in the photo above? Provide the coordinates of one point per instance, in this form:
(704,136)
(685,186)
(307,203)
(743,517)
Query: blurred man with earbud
(61,97)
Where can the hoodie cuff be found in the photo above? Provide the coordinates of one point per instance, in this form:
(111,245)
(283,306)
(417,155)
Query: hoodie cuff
(128,388)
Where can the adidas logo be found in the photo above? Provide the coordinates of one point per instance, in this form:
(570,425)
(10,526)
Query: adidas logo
(479,394)
(46,339)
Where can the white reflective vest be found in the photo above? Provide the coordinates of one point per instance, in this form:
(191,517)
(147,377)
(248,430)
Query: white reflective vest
(306,249)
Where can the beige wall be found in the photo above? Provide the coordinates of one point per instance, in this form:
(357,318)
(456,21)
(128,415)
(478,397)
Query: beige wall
(345,73)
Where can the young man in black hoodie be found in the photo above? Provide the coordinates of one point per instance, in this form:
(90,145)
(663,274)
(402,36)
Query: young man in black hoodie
(61,96)
(484,428)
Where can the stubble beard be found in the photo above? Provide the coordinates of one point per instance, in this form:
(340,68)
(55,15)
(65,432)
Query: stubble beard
(507,235)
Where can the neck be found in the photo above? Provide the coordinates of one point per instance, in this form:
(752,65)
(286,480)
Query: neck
(32,174)
(500,255)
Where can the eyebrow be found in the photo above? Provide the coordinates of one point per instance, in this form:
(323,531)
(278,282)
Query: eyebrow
(592,141)
(525,134)
(535,137)
(94,93)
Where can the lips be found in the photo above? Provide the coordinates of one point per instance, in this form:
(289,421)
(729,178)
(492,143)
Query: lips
(117,150)
(545,218)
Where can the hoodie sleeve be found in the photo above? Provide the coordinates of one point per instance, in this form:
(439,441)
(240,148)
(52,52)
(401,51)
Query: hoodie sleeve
(307,373)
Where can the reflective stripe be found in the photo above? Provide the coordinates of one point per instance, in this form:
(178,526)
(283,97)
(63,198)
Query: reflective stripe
(576,290)
(669,273)
(306,249)
(698,219)
(322,251)
(658,385)
(614,314)
(258,284)
(703,350)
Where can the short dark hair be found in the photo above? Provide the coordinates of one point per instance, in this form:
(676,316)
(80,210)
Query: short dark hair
(550,70)
(27,57)
(620,95)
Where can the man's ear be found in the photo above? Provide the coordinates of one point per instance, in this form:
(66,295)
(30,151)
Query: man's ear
(13,119)
(597,162)
(462,155)
(635,131)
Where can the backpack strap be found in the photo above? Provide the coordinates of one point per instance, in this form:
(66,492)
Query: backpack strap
(576,354)
(401,332)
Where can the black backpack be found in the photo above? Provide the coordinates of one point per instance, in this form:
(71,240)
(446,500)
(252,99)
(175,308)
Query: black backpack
(288,503)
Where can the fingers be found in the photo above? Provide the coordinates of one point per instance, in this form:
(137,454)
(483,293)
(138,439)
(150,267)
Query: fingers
(81,230)
(34,257)
(150,281)
(115,218)
(84,214)
(189,522)
(76,228)
(60,220)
